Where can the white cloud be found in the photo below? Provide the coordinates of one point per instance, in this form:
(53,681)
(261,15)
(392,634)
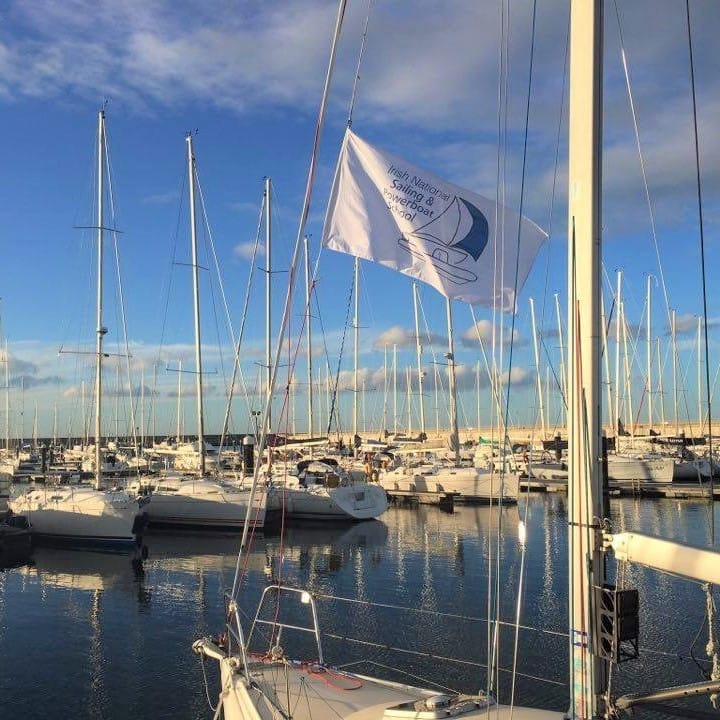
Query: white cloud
(484,328)
(244,251)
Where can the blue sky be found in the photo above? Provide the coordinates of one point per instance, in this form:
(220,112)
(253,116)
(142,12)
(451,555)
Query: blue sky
(248,77)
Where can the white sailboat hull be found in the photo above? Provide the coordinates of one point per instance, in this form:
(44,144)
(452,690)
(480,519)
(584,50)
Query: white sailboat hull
(651,469)
(78,514)
(204,504)
(356,501)
(313,692)
(467,484)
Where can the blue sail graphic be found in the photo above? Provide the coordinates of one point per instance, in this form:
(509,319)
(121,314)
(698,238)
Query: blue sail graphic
(475,241)
(437,241)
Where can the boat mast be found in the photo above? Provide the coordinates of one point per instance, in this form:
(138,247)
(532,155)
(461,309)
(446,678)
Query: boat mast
(85,424)
(142,407)
(7,397)
(537,370)
(418,348)
(408,383)
(630,417)
(101,330)
(699,375)
(477,393)
(606,356)
(586,569)
(196,307)
(661,391)
(450,355)
(178,426)
(675,369)
(395,412)
(385,391)
(268,297)
(563,374)
(308,322)
(618,295)
(356,328)
(649,356)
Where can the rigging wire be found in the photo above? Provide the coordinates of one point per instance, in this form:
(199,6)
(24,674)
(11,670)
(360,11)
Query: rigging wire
(111,196)
(361,54)
(241,333)
(543,344)
(515,289)
(646,187)
(340,356)
(712,647)
(291,279)
(169,279)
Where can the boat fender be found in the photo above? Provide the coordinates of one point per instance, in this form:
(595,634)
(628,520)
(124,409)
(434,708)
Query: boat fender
(374,476)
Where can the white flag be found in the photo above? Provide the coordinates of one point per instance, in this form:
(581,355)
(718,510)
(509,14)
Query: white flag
(388,211)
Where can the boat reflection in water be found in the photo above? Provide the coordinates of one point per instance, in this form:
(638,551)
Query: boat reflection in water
(412,587)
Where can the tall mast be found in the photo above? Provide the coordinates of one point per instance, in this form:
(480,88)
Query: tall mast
(606,356)
(661,391)
(408,383)
(395,413)
(101,330)
(153,404)
(649,355)
(628,383)
(618,300)
(85,428)
(675,368)
(178,430)
(142,406)
(117,402)
(537,370)
(699,375)
(450,355)
(385,390)
(436,383)
(477,392)
(356,328)
(563,373)
(268,296)
(196,307)
(418,348)
(308,323)
(584,405)
(7,397)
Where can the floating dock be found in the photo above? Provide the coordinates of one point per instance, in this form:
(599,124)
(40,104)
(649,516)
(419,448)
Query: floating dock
(633,488)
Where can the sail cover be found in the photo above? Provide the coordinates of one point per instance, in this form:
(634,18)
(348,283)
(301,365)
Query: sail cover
(384,209)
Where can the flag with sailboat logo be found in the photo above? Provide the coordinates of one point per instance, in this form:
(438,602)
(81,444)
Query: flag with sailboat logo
(385,210)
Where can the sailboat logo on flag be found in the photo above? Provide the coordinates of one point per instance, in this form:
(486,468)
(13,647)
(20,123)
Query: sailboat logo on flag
(386,210)
(451,255)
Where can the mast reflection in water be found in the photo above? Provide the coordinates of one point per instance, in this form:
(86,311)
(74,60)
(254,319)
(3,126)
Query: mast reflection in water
(87,635)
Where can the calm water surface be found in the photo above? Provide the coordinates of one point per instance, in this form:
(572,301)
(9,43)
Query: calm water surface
(84,635)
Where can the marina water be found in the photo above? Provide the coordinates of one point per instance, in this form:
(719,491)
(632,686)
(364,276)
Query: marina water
(87,635)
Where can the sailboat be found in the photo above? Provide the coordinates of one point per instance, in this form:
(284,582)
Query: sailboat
(76,513)
(200,501)
(268,684)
